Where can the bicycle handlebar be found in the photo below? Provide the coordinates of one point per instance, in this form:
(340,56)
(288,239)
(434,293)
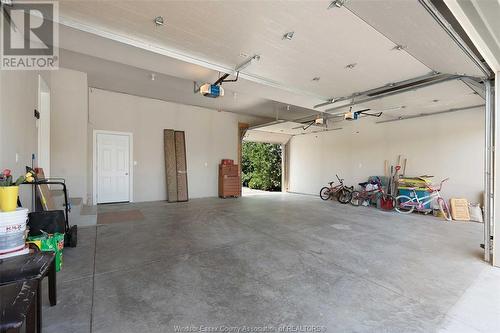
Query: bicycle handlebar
(435,188)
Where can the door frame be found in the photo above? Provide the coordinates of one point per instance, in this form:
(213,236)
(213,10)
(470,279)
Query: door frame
(242,129)
(94,163)
(43,88)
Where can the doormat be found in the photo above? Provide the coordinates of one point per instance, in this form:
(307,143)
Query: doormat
(119,216)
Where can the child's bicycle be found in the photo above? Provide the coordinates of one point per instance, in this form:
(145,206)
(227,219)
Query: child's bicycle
(341,192)
(387,201)
(406,205)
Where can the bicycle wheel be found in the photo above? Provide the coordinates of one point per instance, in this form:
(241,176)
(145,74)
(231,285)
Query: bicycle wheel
(344,196)
(387,202)
(404,204)
(443,207)
(325,193)
(356,198)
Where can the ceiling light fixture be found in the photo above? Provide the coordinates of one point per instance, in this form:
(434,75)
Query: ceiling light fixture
(288,35)
(247,63)
(336,4)
(351,66)
(159,20)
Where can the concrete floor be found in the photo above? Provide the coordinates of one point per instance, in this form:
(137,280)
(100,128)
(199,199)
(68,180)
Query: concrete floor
(269,260)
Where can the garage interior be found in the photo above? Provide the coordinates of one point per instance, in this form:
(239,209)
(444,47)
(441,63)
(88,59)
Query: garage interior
(134,121)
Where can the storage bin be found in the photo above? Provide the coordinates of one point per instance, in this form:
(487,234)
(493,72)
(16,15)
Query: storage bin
(418,182)
(421,193)
(12,230)
(229,181)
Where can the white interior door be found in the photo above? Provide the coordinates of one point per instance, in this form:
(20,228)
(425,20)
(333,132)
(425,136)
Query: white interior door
(113,168)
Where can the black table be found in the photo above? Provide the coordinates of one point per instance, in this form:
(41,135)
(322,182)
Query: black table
(17,305)
(31,267)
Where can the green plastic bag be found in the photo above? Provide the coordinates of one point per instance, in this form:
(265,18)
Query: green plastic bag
(50,242)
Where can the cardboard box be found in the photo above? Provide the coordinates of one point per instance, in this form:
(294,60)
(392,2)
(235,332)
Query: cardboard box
(459,209)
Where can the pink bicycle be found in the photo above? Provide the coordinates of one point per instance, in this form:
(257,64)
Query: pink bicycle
(406,205)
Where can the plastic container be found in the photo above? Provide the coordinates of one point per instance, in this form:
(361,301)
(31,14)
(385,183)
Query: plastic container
(13,230)
(8,198)
(420,194)
(53,242)
(18,212)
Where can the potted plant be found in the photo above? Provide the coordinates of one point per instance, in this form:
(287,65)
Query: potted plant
(9,190)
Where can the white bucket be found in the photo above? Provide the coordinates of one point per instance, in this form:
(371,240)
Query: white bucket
(16,213)
(12,230)
(23,250)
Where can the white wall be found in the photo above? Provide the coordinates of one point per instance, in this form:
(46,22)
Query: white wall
(18,130)
(68,139)
(210,136)
(449,145)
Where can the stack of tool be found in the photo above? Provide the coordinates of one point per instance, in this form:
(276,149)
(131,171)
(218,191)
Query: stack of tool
(393,173)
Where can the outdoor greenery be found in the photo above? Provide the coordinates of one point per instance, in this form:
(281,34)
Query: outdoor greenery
(261,166)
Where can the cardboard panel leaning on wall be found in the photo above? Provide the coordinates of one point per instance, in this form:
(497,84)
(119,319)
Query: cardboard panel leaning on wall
(170,164)
(449,145)
(181,167)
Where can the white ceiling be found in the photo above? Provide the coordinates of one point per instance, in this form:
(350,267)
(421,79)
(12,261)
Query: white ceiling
(432,99)
(203,38)
(289,128)
(266,136)
(409,24)
(96,46)
(281,132)
(114,76)
(325,41)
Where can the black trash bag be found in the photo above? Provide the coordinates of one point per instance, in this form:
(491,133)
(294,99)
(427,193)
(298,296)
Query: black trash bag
(71,237)
(51,221)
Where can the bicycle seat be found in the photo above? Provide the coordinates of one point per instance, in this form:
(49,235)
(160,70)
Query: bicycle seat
(330,183)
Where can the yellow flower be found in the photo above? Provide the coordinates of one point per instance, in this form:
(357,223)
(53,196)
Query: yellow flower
(27,175)
(30,179)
